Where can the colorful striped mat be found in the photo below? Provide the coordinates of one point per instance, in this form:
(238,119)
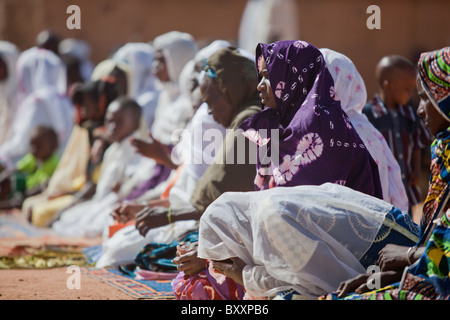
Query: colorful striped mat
(139,289)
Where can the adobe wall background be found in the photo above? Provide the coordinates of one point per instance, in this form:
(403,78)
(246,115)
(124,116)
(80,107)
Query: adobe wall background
(408,27)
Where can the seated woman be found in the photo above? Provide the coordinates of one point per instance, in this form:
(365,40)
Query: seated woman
(420,271)
(316,141)
(139,57)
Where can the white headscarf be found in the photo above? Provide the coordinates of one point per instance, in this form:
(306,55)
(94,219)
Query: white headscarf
(178,48)
(9,53)
(351,91)
(42,82)
(174,109)
(139,57)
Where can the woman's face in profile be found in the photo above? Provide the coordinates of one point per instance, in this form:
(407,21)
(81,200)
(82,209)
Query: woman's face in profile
(221,109)
(160,67)
(428,112)
(264,87)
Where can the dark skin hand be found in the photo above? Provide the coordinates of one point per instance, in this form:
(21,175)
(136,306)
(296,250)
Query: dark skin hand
(124,213)
(187,260)
(154,217)
(392,261)
(359,284)
(393,257)
(155,150)
(232,268)
(150,218)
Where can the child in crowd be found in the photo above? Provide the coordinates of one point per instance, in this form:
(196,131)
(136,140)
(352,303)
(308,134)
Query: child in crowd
(33,171)
(391,114)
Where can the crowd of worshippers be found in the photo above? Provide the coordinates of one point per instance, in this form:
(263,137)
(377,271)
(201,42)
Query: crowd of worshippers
(153,148)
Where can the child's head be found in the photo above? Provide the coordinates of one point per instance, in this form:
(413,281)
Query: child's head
(43,142)
(396,76)
(123,117)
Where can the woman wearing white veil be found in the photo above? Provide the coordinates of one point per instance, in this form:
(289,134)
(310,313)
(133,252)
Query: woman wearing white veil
(173,111)
(139,57)
(42,101)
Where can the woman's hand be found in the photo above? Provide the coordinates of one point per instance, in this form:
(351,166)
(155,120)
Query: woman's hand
(360,283)
(393,257)
(150,218)
(124,213)
(231,268)
(188,262)
(153,149)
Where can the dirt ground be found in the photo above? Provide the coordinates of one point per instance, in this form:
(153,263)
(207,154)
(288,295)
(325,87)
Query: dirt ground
(51,284)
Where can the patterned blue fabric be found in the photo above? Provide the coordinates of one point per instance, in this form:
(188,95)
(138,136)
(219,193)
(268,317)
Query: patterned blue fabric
(158,257)
(389,234)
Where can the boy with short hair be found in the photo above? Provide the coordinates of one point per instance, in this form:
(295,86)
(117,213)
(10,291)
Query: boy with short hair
(391,114)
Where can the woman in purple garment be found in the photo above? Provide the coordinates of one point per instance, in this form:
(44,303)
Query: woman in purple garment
(308,139)
(316,140)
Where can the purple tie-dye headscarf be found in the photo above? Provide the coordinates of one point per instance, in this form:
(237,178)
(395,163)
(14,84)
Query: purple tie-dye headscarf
(317,142)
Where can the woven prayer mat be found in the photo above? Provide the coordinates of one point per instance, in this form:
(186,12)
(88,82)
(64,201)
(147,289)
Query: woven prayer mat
(139,289)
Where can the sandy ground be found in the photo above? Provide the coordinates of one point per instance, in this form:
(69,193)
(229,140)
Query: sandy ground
(51,284)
